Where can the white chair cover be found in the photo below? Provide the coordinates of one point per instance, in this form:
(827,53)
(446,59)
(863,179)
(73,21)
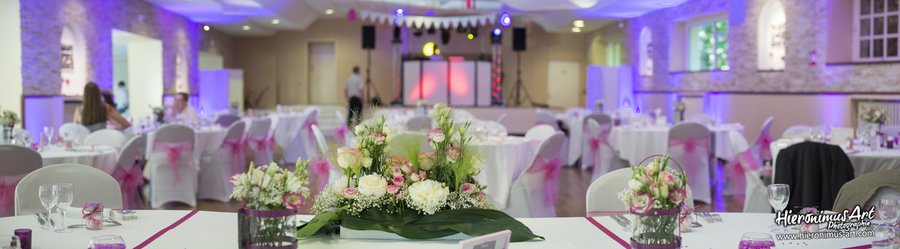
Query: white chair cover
(596,149)
(18,161)
(260,140)
(501,118)
(108,137)
(308,137)
(173,172)
(540,132)
(321,166)
(294,145)
(543,117)
(602,196)
(418,123)
(73,132)
(89,185)
(751,160)
(797,131)
(689,145)
(533,194)
(216,168)
(226,119)
(129,173)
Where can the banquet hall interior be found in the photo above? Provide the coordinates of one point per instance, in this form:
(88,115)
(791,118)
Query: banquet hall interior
(158,107)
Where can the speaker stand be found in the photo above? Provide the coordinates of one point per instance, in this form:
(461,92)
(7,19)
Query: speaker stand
(517,101)
(376,100)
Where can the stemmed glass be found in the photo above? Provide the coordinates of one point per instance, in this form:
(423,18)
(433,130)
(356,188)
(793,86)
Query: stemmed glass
(49,131)
(779,194)
(48,200)
(66,194)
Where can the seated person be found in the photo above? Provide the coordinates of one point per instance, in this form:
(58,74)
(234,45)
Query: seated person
(94,113)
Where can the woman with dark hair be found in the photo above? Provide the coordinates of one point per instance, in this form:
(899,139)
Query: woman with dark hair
(95,112)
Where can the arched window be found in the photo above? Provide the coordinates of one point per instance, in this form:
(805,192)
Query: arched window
(645,52)
(770,36)
(72,62)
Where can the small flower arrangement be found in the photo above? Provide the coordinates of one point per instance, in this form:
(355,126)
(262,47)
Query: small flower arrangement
(9,118)
(655,194)
(271,187)
(389,183)
(873,115)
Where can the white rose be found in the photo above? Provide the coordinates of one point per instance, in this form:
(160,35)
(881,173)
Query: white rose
(634,184)
(294,184)
(427,196)
(367,162)
(372,185)
(348,157)
(341,183)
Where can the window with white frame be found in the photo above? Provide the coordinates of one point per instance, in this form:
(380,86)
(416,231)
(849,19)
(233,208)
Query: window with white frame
(708,44)
(876,35)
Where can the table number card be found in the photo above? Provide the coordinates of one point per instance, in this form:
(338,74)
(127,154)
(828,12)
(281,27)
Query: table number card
(498,240)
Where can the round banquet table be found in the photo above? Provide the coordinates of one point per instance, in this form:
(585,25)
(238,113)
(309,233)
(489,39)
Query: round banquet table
(503,159)
(204,229)
(100,157)
(637,143)
(863,159)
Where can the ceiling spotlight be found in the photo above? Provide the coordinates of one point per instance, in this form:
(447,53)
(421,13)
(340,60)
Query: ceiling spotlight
(428,49)
(276,21)
(246,27)
(576,30)
(399,12)
(329,11)
(497,32)
(205,27)
(578,23)
(505,20)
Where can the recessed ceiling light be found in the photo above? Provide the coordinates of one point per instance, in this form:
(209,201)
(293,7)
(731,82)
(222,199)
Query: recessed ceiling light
(276,21)
(631,14)
(576,29)
(329,11)
(246,27)
(578,23)
(205,27)
(667,3)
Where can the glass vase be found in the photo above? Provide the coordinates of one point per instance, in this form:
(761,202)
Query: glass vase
(656,229)
(267,229)
(867,131)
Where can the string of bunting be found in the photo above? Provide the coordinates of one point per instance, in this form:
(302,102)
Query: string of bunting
(429,21)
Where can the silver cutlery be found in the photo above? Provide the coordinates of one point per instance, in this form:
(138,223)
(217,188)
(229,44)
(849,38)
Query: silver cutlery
(108,222)
(44,218)
(618,220)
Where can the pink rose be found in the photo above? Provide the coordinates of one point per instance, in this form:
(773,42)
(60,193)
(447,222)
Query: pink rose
(422,175)
(379,137)
(398,180)
(349,193)
(677,195)
(292,201)
(436,135)
(415,177)
(667,177)
(453,153)
(393,189)
(406,168)
(641,204)
(395,172)
(468,187)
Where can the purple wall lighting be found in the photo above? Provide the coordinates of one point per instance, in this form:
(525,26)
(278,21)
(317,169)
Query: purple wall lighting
(43,111)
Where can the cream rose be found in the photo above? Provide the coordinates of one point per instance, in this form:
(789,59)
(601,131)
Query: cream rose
(349,158)
(372,185)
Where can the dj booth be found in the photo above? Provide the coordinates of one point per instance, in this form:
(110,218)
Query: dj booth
(455,82)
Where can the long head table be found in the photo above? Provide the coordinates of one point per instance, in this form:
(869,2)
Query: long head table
(192,229)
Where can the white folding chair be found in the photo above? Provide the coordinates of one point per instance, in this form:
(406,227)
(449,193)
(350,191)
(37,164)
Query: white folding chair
(226,119)
(106,137)
(260,140)
(603,195)
(129,174)
(418,123)
(216,168)
(73,132)
(540,132)
(689,146)
(533,194)
(797,131)
(173,171)
(18,161)
(89,185)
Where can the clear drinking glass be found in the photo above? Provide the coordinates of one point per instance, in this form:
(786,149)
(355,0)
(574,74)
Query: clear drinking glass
(10,242)
(888,211)
(107,242)
(756,240)
(779,194)
(66,194)
(49,131)
(48,199)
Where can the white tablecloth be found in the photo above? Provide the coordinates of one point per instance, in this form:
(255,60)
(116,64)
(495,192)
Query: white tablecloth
(870,161)
(637,143)
(219,230)
(285,126)
(100,157)
(504,160)
(575,122)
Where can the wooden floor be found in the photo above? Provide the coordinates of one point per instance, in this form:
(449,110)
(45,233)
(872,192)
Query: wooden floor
(571,203)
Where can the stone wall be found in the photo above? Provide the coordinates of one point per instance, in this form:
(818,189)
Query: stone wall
(806,32)
(42,22)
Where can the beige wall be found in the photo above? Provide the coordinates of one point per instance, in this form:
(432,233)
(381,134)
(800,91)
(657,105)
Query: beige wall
(276,67)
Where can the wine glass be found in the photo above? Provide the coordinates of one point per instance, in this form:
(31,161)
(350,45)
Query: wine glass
(66,194)
(48,199)
(49,131)
(756,240)
(779,194)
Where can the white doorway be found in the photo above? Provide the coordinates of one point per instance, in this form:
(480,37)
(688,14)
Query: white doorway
(138,61)
(563,84)
(323,85)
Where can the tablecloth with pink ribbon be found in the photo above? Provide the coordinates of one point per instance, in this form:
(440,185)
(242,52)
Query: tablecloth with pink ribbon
(637,143)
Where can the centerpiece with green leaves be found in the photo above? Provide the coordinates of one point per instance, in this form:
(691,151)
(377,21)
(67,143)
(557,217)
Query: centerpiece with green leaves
(654,196)
(390,185)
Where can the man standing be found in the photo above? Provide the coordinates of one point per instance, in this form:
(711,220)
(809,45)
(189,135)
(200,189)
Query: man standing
(120,95)
(182,109)
(353,92)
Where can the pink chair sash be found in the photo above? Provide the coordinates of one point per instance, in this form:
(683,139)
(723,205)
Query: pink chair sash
(341,134)
(551,170)
(690,146)
(236,149)
(7,194)
(321,168)
(174,152)
(130,180)
(264,144)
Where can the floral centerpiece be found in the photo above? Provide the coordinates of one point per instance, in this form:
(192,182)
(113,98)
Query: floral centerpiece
(654,195)
(390,185)
(873,115)
(872,119)
(271,196)
(8,119)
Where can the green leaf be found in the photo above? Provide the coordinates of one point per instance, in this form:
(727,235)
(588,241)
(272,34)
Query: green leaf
(318,222)
(410,225)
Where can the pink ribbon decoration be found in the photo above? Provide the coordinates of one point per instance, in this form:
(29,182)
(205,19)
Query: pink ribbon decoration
(551,170)
(236,148)
(321,168)
(173,153)
(130,180)
(264,144)
(690,146)
(7,193)
(341,134)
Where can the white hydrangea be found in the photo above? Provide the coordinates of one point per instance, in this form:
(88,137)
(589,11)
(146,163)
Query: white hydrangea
(372,185)
(427,196)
